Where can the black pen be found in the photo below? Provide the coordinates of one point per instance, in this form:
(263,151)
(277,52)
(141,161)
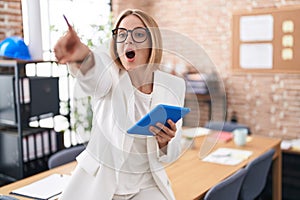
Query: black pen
(69,25)
(221,155)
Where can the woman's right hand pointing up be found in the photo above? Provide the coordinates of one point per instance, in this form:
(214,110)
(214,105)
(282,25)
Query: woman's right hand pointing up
(69,48)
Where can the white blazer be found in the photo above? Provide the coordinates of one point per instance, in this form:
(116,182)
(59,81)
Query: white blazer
(96,175)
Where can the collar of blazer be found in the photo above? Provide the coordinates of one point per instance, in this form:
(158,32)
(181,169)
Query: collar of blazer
(160,86)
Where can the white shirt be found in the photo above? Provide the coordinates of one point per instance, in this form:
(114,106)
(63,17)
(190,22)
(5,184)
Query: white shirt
(135,173)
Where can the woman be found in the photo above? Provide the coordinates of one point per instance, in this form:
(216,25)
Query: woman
(125,86)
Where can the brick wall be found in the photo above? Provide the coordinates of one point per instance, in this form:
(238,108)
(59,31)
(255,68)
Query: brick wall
(268,103)
(10,19)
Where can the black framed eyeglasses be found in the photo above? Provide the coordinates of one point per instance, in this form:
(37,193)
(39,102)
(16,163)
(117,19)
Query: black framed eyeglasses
(138,35)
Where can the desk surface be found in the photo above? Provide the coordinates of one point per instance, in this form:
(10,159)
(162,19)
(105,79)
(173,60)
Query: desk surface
(191,178)
(64,169)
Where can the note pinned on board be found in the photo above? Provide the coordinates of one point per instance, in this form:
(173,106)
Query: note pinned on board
(256,28)
(45,188)
(256,56)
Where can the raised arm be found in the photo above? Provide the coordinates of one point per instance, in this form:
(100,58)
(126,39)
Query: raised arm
(90,69)
(69,48)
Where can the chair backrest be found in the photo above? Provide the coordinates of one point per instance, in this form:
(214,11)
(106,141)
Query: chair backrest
(225,126)
(65,156)
(228,188)
(256,177)
(6,197)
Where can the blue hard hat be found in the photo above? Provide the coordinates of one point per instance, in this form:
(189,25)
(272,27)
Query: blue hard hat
(14,47)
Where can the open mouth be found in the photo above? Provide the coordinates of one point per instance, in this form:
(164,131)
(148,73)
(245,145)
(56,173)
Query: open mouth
(130,54)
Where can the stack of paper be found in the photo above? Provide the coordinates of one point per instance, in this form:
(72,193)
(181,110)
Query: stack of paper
(228,156)
(296,144)
(45,188)
(196,83)
(195,132)
(288,144)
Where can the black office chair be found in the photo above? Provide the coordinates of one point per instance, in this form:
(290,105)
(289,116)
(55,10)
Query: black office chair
(228,188)
(256,177)
(225,126)
(65,156)
(6,197)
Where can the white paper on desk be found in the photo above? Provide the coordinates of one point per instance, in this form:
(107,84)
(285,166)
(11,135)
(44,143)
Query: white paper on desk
(228,156)
(195,132)
(45,188)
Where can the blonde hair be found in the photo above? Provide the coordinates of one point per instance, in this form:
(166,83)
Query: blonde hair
(155,36)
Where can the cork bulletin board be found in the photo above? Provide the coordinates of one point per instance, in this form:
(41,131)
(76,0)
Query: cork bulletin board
(266,40)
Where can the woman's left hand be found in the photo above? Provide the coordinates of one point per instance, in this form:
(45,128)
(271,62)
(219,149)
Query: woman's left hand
(163,134)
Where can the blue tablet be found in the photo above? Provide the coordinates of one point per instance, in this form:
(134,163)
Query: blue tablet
(161,113)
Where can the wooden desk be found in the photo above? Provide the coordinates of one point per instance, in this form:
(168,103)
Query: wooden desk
(190,177)
(64,169)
